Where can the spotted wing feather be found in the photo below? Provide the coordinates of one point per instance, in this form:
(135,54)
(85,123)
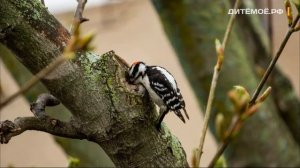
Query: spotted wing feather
(164,89)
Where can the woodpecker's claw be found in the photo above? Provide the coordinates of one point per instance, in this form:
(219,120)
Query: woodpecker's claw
(158,123)
(161,117)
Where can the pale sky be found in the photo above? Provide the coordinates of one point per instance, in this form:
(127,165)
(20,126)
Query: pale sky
(59,6)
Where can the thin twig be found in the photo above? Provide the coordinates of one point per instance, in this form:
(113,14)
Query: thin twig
(253,100)
(225,142)
(274,60)
(229,25)
(34,80)
(78,18)
(58,61)
(270,26)
(214,84)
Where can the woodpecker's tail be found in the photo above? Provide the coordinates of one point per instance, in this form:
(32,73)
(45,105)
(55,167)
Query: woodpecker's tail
(178,113)
(186,114)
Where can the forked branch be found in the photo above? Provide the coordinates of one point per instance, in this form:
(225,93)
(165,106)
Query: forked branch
(41,122)
(236,124)
(75,44)
(274,60)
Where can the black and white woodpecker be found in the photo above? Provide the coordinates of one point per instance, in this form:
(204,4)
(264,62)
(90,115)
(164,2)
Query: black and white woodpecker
(162,88)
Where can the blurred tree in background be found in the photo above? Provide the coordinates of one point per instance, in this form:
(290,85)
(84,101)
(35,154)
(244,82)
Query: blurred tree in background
(268,138)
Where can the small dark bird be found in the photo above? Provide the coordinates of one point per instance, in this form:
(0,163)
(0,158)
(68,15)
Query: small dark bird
(162,88)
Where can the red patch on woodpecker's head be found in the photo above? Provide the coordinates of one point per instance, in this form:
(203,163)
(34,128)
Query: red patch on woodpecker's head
(136,62)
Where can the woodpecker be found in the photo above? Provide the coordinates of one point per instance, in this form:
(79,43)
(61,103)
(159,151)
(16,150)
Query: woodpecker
(162,88)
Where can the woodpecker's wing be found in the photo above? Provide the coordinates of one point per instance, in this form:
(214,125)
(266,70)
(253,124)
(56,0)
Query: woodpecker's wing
(182,103)
(186,114)
(162,86)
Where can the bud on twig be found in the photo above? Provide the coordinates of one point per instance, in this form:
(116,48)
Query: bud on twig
(255,106)
(221,162)
(85,41)
(240,99)
(220,126)
(220,54)
(78,43)
(73,162)
(264,95)
(195,157)
(288,10)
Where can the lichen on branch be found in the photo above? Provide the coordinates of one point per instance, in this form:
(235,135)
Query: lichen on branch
(105,108)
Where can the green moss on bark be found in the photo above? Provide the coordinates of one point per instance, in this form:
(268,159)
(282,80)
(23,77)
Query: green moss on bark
(104,107)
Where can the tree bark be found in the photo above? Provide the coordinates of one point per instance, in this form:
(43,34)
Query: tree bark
(192,27)
(105,109)
(89,153)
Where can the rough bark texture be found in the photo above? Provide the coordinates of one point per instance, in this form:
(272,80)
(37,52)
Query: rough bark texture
(192,27)
(105,109)
(89,153)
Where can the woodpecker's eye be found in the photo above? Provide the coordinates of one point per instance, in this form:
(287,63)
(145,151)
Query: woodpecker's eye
(136,70)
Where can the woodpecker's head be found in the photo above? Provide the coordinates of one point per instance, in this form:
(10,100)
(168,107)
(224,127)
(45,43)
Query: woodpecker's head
(136,72)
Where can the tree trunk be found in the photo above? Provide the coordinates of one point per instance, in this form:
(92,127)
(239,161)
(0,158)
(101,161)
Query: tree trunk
(105,109)
(192,27)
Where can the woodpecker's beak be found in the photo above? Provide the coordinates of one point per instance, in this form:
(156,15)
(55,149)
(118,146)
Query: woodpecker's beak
(128,79)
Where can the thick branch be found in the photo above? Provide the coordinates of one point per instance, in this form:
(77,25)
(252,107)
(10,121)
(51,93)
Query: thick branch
(41,122)
(107,110)
(9,129)
(71,47)
(89,153)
